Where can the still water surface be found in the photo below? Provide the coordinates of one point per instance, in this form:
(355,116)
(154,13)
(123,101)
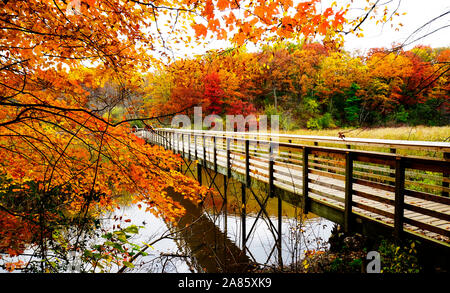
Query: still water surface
(212,242)
(208,240)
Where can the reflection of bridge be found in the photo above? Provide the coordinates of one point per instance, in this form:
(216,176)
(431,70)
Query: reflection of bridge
(209,247)
(373,192)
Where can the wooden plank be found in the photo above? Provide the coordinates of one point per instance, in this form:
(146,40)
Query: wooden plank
(327,174)
(314,189)
(427,196)
(428,187)
(326,184)
(287,175)
(373,210)
(424,164)
(427,212)
(374,197)
(428,227)
(327,167)
(374,184)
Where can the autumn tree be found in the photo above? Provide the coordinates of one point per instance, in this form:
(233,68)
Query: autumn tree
(63,150)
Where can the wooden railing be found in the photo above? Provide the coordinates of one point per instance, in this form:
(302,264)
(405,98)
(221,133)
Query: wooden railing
(407,193)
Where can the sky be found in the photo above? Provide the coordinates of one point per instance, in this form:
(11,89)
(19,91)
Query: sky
(418,13)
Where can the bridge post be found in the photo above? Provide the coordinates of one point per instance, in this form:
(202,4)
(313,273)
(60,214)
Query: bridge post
(195,147)
(243,216)
(399,197)
(279,205)
(189,146)
(171,141)
(445,176)
(215,153)
(228,158)
(247,163)
(182,143)
(348,192)
(166,139)
(178,143)
(290,157)
(199,173)
(271,193)
(305,180)
(392,151)
(204,150)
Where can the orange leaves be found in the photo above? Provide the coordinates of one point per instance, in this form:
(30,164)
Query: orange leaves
(14,265)
(14,234)
(223,4)
(323,27)
(200,30)
(208,10)
(339,19)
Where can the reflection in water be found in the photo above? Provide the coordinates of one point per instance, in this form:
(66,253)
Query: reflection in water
(206,240)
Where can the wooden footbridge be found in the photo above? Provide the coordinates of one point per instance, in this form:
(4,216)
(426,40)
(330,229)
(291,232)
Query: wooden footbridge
(368,185)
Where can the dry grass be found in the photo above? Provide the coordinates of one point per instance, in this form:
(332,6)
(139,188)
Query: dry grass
(426,133)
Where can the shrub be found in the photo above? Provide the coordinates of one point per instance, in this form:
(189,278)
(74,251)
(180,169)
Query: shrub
(325,121)
(398,258)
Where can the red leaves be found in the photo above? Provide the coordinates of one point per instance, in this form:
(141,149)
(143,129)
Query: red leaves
(213,93)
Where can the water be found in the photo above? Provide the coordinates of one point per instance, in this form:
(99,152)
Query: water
(212,242)
(206,239)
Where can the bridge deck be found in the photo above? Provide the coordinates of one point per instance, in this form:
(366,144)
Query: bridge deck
(402,192)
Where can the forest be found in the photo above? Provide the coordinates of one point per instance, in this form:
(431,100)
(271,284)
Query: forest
(310,85)
(76,76)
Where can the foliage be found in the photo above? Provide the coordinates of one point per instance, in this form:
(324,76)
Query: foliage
(114,253)
(306,82)
(399,258)
(73,82)
(325,121)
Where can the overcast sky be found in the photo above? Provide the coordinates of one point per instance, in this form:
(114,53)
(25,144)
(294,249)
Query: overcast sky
(418,12)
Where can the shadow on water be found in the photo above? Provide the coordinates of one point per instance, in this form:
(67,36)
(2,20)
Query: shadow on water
(210,248)
(214,234)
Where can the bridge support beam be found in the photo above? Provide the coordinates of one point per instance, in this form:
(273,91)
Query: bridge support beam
(348,192)
(399,197)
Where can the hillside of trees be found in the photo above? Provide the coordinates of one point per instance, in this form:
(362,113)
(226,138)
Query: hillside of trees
(310,85)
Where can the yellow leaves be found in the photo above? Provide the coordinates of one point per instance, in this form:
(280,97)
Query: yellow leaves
(305,264)
(148,245)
